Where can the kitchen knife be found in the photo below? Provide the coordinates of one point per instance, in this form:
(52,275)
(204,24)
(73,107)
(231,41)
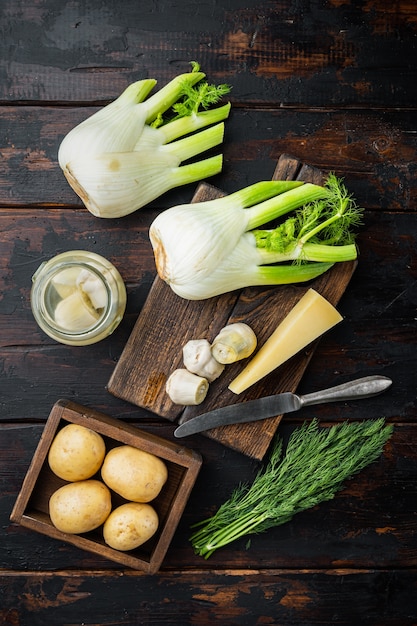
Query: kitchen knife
(255,410)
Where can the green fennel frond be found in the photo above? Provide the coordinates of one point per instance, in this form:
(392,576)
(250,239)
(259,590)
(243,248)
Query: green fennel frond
(193,99)
(331,219)
(200,96)
(195,66)
(327,221)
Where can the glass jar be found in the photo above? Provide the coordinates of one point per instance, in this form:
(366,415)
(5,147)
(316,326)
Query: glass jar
(78,297)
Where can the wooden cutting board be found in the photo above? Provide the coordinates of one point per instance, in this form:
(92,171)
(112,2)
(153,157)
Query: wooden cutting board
(167,322)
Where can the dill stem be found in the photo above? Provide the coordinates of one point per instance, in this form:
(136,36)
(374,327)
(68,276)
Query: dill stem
(242,526)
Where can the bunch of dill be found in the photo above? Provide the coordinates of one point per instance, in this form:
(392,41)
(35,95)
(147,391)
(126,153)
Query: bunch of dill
(316,463)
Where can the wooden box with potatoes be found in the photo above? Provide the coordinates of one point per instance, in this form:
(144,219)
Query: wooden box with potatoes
(106,486)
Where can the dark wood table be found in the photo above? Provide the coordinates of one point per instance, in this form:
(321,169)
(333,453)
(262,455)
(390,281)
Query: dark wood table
(335,85)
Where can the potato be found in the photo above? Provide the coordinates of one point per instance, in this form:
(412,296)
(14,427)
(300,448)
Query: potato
(130,525)
(76,453)
(80,507)
(134,474)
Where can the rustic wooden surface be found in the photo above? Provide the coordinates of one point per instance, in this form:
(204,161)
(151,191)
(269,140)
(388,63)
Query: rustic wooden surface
(333,84)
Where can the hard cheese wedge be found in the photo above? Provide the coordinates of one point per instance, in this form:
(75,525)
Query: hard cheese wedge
(312,316)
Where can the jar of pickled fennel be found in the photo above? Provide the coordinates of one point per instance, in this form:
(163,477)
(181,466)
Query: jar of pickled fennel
(78,297)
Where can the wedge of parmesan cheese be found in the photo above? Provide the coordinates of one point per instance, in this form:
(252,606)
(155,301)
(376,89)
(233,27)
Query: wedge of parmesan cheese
(310,318)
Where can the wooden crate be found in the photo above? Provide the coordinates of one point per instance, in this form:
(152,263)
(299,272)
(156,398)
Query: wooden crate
(31,507)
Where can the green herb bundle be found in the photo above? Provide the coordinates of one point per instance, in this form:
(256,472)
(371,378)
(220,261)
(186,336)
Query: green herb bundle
(316,463)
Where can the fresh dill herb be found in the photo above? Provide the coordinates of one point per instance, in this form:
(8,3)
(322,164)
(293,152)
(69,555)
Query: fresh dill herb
(313,469)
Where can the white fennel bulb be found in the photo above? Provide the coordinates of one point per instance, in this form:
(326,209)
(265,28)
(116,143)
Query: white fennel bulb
(131,151)
(205,249)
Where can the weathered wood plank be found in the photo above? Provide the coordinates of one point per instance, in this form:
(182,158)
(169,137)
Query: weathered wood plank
(374,151)
(315,54)
(332,83)
(305,598)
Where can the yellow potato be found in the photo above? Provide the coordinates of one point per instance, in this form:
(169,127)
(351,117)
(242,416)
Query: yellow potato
(130,525)
(134,474)
(76,453)
(80,507)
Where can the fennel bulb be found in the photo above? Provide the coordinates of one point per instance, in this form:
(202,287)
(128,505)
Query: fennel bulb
(205,249)
(127,154)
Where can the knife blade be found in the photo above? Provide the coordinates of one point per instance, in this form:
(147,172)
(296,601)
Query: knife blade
(279,404)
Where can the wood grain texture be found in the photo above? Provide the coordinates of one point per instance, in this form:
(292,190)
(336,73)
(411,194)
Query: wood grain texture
(240,597)
(335,85)
(306,54)
(375,150)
